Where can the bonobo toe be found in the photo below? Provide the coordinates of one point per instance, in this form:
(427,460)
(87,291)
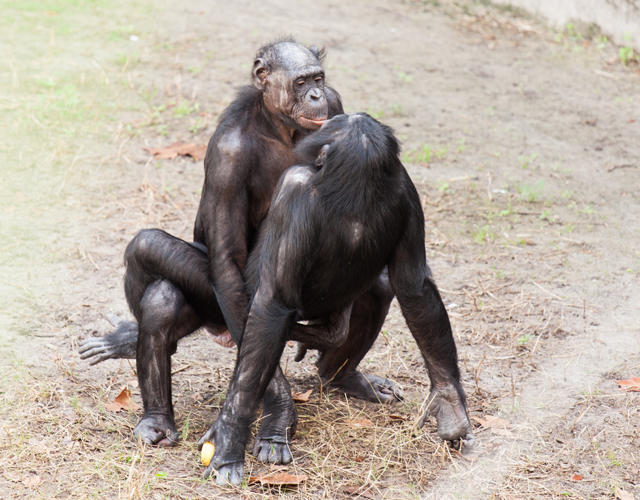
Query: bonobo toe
(158,430)
(448,407)
(226,475)
(268,451)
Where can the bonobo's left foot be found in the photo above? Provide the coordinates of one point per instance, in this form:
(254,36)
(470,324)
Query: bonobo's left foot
(368,387)
(119,344)
(158,430)
(447,405)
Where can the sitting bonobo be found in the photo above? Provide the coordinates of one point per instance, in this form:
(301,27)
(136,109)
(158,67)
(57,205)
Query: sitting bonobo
(334,224)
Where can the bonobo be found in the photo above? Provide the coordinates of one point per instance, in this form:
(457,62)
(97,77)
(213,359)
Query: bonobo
(174,287)
(334,224)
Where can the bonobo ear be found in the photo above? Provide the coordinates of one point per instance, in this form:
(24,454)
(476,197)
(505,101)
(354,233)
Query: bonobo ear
(260,72)
(319,52)
(322,156)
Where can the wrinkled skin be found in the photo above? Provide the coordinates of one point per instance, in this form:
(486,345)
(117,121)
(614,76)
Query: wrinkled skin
(174,287)
(333,227)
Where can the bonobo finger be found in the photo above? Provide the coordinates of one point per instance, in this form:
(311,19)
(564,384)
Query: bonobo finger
(101,358)
(91,345)
(231,474)
(114,319)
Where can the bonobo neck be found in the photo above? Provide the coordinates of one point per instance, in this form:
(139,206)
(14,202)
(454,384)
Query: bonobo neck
(279,124)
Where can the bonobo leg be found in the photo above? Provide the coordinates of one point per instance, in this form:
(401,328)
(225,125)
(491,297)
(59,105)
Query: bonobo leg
(185,267)
(258,357)
(429,323)
(164,318)
(337,366)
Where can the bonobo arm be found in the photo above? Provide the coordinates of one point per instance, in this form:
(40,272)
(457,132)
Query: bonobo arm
(269,323)
(428,321)
(224,209)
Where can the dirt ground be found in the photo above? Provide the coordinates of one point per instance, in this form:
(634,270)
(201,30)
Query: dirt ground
(524,144)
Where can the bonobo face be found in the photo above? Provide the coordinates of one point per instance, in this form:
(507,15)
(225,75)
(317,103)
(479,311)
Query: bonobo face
(292,80)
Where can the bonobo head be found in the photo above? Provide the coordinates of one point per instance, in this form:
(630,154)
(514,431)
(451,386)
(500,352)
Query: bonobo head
(291,79)
(356,141)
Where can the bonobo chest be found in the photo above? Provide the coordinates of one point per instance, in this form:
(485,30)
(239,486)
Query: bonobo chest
(265,176)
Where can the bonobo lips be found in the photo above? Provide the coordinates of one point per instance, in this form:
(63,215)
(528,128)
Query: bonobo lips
(312,123)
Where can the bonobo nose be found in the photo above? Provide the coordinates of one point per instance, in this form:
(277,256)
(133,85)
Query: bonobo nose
(315,94)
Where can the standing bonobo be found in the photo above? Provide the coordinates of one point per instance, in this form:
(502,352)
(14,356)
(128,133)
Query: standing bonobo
(331,230)
(174,287)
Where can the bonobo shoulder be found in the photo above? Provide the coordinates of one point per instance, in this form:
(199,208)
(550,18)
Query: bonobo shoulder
(230,143)
(294,176)
(334,101)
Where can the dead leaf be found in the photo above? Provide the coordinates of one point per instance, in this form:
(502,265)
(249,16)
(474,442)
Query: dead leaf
(123,401)
(354,491)
(576,477)
(395,416)
(301,397)
(623,495)
(630,385)
(31,481)
(278,479)
(196,151)
(360,422)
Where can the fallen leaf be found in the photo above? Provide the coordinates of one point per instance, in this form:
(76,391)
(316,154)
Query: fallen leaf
(278,479)
(623,495)
(196,151)
(360,422)
(301,397)
(354,491)
(395,416)
(31,481)
(123,401)
(576,477)
(630,385)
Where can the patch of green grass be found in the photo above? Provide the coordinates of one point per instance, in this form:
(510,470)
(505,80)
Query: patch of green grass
(527,161)
(531,193)
(483,234)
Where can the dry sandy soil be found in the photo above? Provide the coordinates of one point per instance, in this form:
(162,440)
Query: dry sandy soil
(525,146)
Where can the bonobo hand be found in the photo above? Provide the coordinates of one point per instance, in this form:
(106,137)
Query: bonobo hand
(119,344)
(227,472)
(447,405)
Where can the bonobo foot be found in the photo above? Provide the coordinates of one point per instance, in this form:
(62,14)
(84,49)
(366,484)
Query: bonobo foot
(367,387)
(159,430)
(272,451)
(228,460)
(231,474)
(119,344)
(277,427)
(447,405)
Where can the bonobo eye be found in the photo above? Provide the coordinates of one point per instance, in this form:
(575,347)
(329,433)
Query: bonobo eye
(300,82)
(319,78)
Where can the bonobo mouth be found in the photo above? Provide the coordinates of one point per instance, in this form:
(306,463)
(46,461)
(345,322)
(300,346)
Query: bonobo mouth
(312,123)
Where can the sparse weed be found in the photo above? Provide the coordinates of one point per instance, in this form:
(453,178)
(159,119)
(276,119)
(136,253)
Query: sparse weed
(531,193)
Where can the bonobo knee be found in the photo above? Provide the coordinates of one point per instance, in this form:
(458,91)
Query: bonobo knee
(141,244)
(161,302)
(382,288)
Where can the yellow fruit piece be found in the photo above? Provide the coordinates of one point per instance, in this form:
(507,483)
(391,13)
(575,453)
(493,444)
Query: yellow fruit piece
(206,453)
